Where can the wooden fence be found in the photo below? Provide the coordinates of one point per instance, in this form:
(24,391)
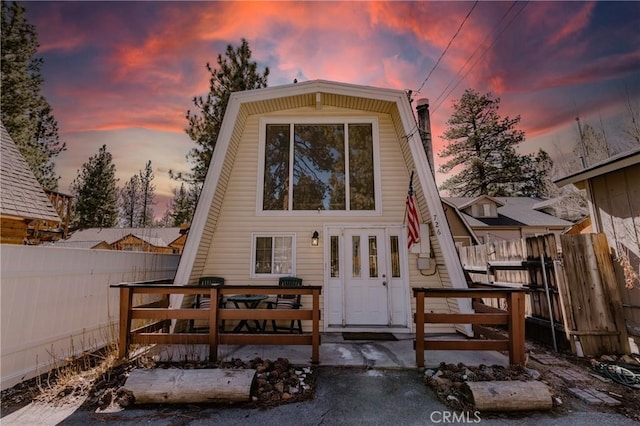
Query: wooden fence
(512,318)
(562,296)
(157,331)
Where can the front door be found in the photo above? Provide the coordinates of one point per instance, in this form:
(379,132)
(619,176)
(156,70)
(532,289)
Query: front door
(367,284)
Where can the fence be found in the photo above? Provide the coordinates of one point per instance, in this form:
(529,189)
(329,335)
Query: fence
(56,302)
(580,310)
(512,317)
(157,333)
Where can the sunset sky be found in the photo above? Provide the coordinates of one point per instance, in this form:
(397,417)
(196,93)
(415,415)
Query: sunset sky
(124,73)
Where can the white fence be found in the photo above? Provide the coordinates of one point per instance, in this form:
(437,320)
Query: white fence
(56,302)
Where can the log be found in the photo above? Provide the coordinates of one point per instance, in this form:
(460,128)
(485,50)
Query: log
(176,386)
(509,395)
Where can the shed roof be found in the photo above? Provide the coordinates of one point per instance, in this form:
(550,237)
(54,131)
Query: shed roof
(611,164)
(22,195)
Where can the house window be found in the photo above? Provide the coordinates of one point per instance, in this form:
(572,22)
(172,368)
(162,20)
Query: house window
(335,256)
(273,255)
(395,256)
(319,167)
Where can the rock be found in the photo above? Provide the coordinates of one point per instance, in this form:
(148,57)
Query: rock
(557,401)
(534,374)
(452,398)
(608,358)
(286,396)
(443,384)
(629,360)
(279,387)
(429,373)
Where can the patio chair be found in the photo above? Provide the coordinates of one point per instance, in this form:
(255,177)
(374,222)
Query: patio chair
(203,301)
(286,301)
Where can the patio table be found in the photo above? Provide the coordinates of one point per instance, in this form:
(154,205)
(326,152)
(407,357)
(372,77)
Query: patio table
(250,301)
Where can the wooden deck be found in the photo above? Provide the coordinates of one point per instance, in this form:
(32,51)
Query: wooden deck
(157,332)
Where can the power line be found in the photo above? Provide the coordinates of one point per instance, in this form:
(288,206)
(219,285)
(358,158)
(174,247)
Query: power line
(446,48)
(472,55)
(480,57)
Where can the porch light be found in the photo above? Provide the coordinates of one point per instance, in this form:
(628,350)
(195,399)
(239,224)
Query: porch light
(315,238)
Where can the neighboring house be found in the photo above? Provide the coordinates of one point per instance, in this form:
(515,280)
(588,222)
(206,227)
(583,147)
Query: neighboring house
(463,235)
(613,190)
(333,160)
(505,218)
(156,240)
(26,213)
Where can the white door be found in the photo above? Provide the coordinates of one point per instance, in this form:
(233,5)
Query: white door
(367,282)
(366,287)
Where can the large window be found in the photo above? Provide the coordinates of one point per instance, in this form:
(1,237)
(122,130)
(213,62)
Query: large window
(319,167)
(273,255)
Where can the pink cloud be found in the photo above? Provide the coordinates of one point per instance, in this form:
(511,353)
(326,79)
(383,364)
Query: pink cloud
(574,25)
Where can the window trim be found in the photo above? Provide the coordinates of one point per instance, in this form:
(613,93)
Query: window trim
(254,239)
(264,121)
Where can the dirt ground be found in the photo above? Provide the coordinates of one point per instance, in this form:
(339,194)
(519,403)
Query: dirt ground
(278,382)
(559,371)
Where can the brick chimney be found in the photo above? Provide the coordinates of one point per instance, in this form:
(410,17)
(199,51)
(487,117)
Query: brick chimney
(424,125)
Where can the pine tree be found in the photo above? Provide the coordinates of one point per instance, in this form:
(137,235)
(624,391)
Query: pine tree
(26,114)
(182,205)
(95,193)
(235,72)
(483,145)
(129,202)
(147,194)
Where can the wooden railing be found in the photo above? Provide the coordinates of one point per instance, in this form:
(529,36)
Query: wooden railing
(157,332)
(512,318)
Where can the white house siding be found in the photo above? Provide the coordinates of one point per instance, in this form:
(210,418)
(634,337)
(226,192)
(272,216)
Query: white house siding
(229,251)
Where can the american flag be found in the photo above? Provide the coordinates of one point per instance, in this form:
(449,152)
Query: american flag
(413,224)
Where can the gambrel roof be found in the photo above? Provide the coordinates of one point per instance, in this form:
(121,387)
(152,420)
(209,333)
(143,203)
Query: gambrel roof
(312,97)
(21,194)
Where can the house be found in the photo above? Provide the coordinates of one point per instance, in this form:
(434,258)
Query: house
(155,240)
(613,190)
(26,213)
(463,235)
(311,180)
(506,218)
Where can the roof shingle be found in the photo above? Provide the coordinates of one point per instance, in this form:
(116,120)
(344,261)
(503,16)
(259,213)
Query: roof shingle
(21,194)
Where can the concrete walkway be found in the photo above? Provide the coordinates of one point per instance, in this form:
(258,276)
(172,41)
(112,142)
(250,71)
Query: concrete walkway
(335,351)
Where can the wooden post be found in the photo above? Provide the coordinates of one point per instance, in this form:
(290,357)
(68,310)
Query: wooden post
(515,303)
(419,322)
(315,324)
(213,324)
(126,298)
